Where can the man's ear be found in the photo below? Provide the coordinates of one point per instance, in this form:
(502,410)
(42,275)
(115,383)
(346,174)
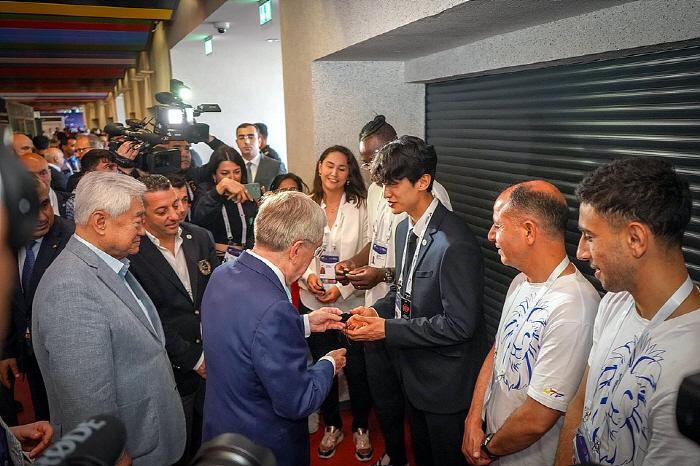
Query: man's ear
(638,236)
(98,222)
(530,232)
(294,250)
(423,182)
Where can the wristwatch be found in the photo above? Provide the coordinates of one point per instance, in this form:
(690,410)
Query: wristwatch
(485,448)
(389,275)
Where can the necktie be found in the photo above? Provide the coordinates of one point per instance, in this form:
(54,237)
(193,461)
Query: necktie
(249,166)
(28,266)
(410,251)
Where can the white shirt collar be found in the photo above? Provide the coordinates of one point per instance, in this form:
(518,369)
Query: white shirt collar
(178,239)
(422,223)
(120,266)
(255,161)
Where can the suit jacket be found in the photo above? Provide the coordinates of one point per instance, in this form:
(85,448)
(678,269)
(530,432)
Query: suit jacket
(51,245)
(98,353)
(178,313)
(268,169)
(257,381)
(62,201)
(439,351)
(58,179)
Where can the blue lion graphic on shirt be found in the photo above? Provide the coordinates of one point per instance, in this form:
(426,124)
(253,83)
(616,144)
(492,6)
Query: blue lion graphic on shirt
(620,413)
(520,343)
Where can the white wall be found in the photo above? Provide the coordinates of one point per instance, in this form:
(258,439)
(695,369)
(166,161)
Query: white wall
(243,75)
(347,95)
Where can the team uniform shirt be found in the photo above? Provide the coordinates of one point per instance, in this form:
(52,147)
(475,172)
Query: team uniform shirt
(541,352)
(382,225)
(629,416)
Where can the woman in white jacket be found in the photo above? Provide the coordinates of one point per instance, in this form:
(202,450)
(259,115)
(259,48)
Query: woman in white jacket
(339,189)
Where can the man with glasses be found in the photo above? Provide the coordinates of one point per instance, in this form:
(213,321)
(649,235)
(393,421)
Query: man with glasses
(260,168)
(84,144)
(258,384)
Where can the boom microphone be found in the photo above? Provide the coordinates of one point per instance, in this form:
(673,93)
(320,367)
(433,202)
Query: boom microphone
(99,441)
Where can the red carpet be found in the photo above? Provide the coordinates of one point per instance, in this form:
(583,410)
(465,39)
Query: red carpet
(345,453)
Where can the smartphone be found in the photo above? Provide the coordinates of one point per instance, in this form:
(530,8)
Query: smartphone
(254,190)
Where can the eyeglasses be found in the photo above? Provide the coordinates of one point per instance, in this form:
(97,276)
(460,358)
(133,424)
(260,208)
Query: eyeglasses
(83,149)
(243,137)
(319,250)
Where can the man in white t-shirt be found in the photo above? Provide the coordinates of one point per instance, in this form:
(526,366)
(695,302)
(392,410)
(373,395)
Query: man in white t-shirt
(540,351)
(645,338)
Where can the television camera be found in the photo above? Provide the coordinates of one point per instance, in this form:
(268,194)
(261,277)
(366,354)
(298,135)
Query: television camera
(174,121)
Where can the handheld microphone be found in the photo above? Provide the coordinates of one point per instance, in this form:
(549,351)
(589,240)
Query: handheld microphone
(98,441)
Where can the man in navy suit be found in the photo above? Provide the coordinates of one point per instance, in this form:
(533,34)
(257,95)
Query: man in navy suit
(50,237)
(258,384)
(173,265)
(432,318)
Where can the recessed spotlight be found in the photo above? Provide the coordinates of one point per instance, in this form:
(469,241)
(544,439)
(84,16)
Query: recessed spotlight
(272,40)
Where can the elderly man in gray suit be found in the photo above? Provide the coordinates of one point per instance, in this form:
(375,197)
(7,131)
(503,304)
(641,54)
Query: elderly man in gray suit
(97,336)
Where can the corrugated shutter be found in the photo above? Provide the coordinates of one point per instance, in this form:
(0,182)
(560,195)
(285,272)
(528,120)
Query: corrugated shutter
(557,123)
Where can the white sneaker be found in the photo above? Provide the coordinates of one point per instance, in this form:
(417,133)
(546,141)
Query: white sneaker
(331,439)
(363,447)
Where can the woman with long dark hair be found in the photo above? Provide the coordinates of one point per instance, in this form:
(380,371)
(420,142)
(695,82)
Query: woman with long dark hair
(226,209)
(339,189)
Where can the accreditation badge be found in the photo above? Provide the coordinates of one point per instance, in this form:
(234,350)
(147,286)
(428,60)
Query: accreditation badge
(204,267)
(377,257)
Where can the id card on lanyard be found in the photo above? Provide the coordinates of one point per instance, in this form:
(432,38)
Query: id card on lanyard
(583,444)
(331,256)
(233,252)
(403,304)
(381,234)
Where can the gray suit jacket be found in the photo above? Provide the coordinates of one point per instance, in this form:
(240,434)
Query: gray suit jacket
(99,354)
(268,169)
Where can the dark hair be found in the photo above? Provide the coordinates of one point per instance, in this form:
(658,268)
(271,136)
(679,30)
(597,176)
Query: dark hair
(262,129)
(41,142)
(380,128)
(64,141)
(641,189)
(301,186)
(223,154)
(406,157)
(93,157)
(245,125)
(550,211)
(355,190)
(155,182)
(177,180)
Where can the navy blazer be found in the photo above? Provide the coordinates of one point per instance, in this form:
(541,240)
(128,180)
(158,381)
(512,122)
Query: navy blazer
(440,350)
(258,384)
(51,246)
(179,314)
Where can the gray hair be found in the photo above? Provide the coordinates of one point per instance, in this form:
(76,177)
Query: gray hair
(287,217)
(93,140)
(109,192)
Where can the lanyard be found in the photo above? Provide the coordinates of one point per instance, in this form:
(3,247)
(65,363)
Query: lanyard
(593,389)
(388,221)
(664,312)
(419,241)
(535,301)
(227,225)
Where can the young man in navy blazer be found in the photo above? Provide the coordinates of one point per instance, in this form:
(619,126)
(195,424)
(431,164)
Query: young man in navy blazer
(432,318)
